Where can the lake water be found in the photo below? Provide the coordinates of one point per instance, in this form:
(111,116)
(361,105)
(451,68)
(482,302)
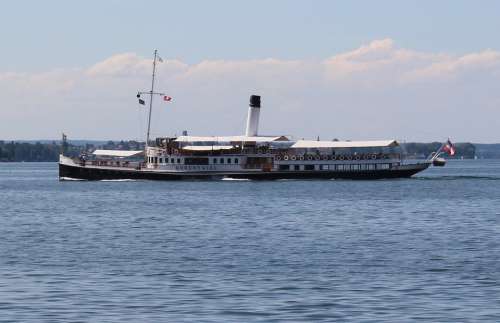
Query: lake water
(426,248)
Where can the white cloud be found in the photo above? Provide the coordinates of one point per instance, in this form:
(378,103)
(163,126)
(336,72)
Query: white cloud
(129,64)
(375,91)
(455,67)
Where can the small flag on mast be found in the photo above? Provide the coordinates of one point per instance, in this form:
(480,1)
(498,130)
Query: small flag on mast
(141,101)
(449,148)
(159,59)
(167,98)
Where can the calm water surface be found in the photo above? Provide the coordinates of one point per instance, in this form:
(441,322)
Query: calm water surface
(426,248)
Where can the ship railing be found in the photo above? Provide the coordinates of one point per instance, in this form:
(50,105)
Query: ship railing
(346,157)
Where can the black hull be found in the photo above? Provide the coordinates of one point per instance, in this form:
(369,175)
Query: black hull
(93,174)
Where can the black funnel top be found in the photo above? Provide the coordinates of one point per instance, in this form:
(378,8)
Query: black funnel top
(255,101)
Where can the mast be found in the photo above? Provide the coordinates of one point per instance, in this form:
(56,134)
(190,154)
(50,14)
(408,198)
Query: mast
(64,144)
(151,92)
(151,97)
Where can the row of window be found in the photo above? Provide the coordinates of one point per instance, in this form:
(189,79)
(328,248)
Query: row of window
(229,160)
(342,167)
(195,167)
(160,160)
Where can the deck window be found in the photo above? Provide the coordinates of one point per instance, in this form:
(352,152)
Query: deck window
(383,166)
(215,161)
(236,161)
(284,167)
(296,167)
(178,160)
(196,161)
(229,160)
(309,167)
(222,160)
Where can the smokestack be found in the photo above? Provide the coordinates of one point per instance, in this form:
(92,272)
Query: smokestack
(253,116)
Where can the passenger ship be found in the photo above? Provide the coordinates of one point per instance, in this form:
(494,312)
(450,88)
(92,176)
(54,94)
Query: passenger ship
(248,156)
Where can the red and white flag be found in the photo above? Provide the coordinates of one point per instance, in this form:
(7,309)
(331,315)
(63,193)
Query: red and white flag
(167,98)
(449,148)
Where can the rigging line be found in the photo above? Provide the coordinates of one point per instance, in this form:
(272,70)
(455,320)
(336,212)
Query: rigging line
(242,119)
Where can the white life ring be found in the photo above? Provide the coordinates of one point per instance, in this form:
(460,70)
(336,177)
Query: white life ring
(286,157)
(294,157)
(301,157)
(309,157)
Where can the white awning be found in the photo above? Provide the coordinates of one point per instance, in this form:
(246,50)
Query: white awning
(207,148)
(117,153)
(343,144)
(230,139)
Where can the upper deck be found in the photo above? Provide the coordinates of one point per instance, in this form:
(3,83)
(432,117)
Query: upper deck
(230,155)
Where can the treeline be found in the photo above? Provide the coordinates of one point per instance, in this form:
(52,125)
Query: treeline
(423,150)
(23,151)
(13,151)
(488,150)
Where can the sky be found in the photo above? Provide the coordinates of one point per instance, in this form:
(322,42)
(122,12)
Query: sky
(409,70)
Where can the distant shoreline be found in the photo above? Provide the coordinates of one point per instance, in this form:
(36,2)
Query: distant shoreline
(49,150)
